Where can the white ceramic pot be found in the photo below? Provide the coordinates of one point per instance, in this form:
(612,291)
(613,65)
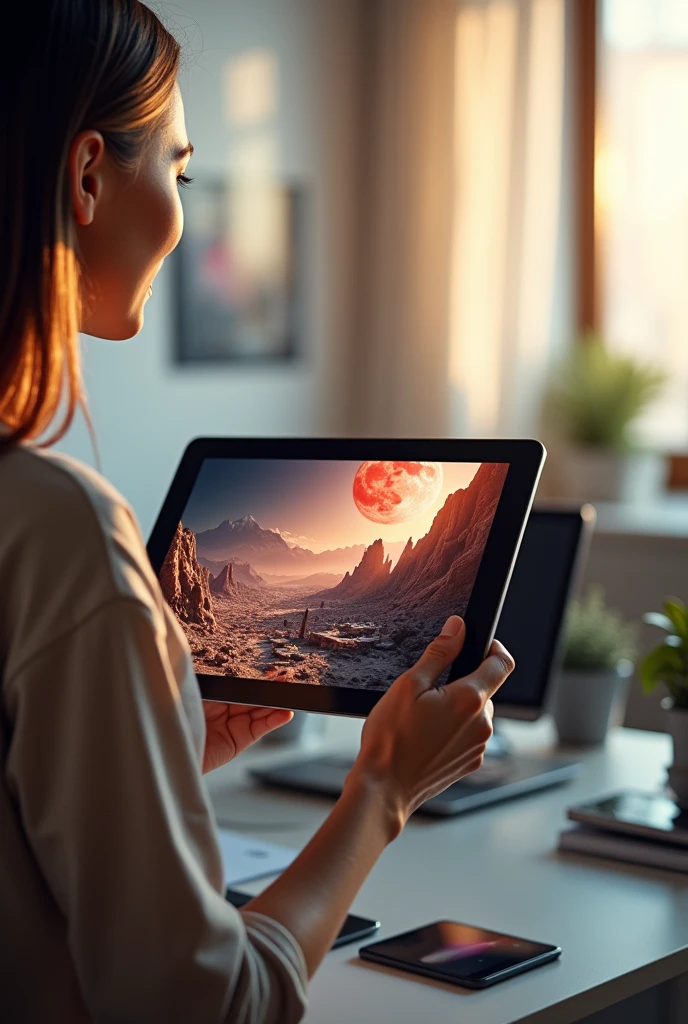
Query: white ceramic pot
(581,703)
(598,474)
(678,770)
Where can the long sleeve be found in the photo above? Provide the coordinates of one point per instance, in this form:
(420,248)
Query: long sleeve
(103,768)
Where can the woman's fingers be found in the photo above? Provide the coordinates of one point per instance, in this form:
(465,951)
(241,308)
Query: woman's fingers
(263,720)
(486,679)
(250,709)
(440,653)
(276,718)
(498,665)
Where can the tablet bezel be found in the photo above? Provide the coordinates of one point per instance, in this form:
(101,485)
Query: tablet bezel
(525,458)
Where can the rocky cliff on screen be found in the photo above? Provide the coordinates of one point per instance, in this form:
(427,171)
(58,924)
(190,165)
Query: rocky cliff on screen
(185,583)
(442,566)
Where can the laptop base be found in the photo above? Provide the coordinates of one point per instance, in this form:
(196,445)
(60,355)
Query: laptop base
(499,778)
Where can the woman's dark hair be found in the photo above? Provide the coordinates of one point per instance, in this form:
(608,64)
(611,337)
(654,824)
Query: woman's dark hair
(66,66)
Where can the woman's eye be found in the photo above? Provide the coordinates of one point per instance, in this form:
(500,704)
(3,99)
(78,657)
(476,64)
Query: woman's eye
(183,180)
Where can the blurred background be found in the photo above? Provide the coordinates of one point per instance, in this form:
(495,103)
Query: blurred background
(430,218)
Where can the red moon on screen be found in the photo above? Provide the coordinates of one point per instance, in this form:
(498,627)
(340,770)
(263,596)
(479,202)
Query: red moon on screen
(393,492)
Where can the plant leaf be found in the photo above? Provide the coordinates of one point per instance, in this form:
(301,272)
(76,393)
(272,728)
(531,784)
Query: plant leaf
(659,620)
(596,394)
(660,665)
(677,612)
(596,636)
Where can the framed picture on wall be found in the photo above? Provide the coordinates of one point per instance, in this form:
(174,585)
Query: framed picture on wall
(239,273)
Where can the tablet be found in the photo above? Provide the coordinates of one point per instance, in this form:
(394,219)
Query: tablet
(309,574)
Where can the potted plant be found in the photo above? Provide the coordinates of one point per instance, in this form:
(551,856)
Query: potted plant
(592,403)
(599,648)
(667,664)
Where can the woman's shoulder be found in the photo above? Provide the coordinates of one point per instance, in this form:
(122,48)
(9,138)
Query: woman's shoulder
(69,542)
(50,496)
(37,471)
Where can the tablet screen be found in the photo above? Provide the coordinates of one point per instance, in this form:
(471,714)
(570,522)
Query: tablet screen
(326,572)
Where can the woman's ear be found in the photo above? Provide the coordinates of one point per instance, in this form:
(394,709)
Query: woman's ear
(86,170)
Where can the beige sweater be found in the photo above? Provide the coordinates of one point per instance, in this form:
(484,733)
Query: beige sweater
(111,905)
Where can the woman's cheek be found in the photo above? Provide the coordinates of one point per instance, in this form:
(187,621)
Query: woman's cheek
(178,221)
(165,219)
(173,220)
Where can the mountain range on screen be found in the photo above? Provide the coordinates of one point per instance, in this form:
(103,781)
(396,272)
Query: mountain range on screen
(267,551)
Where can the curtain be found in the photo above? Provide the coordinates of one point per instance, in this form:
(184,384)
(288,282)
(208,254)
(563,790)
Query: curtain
(404,204)
(461,214)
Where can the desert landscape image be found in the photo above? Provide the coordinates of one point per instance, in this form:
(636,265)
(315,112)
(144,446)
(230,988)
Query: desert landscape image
(326,572)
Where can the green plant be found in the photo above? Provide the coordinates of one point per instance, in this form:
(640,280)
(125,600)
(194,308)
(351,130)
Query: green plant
(668,663)
(596,636)
(596,394)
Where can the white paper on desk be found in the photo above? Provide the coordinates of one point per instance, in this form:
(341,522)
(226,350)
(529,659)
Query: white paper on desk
(245,858)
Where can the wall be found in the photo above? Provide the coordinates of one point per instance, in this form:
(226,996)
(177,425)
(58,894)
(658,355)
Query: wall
(144,408)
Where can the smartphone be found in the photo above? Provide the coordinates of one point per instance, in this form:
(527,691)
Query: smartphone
(460,954)
(353,929)
(649,815)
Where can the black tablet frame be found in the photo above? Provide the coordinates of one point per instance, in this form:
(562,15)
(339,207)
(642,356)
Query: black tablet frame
(525,458)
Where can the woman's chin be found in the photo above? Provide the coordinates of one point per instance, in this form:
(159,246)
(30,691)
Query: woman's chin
(115,328)
(115,332)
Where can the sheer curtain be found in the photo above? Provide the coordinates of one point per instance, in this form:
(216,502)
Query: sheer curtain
(462,214)
(404,208)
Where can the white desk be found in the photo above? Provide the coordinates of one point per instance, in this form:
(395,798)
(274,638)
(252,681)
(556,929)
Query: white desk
(623,930)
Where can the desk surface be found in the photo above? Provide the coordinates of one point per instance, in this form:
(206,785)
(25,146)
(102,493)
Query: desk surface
(622,929)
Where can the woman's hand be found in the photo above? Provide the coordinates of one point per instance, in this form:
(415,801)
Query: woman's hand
(419,738)
(416,741)
(231,728)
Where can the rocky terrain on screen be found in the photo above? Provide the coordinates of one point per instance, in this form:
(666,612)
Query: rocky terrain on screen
(361,630)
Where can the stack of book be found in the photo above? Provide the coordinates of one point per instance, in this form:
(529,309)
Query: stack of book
(641,828)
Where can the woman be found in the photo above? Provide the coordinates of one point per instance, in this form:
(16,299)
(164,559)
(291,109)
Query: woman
(111,896)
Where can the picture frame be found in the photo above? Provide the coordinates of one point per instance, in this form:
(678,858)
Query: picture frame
(239,273)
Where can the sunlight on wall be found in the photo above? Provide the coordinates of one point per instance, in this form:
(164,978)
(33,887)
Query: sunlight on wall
(258,211)
(251,106)
(255,157)
(251,88)
(260,230)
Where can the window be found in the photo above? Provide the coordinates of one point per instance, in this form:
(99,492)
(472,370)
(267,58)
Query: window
(641,196)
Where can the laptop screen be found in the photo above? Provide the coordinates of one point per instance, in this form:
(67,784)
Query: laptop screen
(326,571)
(533,613)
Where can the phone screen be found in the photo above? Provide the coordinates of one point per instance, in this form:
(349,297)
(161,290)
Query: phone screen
(648,810)
(457,952)
(354,927)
